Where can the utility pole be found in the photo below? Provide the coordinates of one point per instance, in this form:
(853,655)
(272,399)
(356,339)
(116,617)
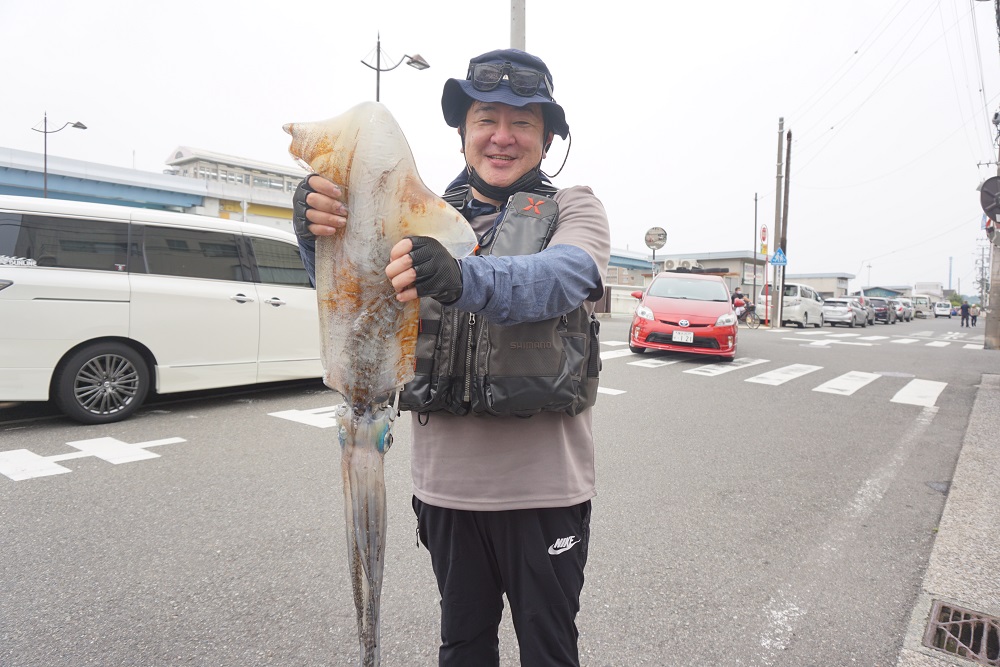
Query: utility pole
(784,208)
(517,40)
(775,293)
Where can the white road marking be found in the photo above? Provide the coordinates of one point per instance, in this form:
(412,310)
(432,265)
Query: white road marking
(816,332)
(939,343)
(318,417)
(816,343)
(783,375)
(920,392)
(613,342)
(844,335)
(610,392)
(726,366)
(614,354)
(905,341)
(848,383)
(973,346)
(21,464)
(873,338)
(924,334)
(653,363)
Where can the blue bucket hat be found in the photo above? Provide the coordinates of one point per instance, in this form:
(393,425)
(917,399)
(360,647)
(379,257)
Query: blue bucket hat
(527,72)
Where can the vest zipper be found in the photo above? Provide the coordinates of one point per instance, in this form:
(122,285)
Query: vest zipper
(467,393)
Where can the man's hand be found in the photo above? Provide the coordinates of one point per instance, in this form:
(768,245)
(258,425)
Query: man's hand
(318,207)
(420,266)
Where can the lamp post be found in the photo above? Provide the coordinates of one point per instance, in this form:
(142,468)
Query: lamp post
(415,61)
(45,154)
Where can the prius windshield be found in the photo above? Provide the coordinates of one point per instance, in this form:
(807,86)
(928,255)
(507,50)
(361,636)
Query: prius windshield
(689,288)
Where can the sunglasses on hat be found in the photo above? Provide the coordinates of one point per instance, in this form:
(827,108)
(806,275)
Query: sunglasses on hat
(523,81)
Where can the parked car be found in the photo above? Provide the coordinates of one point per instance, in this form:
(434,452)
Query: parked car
(866,304)
(845,311)
(801,304)
(685,312)
(942,309)
(909,311)
(899,309)
(884,311)
(102,305)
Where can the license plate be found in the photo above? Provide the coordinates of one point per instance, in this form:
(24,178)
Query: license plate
(683,337)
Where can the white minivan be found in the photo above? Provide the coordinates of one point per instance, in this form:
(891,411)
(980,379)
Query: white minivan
(101,304)
(802,304)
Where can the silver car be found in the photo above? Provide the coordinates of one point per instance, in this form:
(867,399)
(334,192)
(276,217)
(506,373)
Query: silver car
(844,311)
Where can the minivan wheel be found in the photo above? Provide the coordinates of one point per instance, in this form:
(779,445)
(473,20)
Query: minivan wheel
(102,383)
(804,322)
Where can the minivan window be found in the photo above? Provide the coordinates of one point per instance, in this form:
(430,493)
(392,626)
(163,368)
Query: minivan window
(279,263)
(791,290)
(66,243)
(192,253)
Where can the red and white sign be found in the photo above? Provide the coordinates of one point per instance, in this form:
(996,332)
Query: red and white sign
(763,234)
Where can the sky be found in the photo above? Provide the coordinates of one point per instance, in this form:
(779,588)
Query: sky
(673,106)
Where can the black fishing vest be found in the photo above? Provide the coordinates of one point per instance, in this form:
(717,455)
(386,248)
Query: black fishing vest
(465,364)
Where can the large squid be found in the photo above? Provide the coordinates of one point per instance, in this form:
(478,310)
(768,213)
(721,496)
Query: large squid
(368,338)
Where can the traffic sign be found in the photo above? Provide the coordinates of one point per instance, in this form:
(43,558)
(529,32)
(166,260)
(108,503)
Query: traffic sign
(763,235)
(778,258)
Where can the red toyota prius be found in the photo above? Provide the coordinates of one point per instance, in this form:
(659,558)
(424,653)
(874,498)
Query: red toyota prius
(685,312)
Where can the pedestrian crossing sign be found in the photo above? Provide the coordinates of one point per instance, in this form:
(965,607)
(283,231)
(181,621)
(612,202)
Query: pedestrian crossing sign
(778,258)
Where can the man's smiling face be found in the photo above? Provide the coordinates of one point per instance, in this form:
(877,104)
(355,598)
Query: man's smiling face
(502,143)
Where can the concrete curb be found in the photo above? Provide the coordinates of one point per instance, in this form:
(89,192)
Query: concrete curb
(964,567)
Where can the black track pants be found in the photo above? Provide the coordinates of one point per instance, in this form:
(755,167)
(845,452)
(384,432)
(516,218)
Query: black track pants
(536,557)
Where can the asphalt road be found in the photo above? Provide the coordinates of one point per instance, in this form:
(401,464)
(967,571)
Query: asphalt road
(749,517)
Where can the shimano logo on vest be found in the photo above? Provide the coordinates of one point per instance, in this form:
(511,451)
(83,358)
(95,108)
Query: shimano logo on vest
(531,345)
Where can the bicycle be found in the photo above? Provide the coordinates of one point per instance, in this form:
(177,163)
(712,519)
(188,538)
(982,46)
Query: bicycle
(749,316)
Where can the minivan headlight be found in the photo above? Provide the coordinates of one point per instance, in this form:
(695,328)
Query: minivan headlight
(726,320)
(644,312)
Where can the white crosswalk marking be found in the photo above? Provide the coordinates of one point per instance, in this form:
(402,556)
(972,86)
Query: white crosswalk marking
(873,338)
(610,392)
(848,383)
(724,367)
(973,346)
(614,354)
(815,332)
(783,375)
(919,392)
(613,343)
(844,335)
(905,341)
(653,363)
(924,334)
(939,343)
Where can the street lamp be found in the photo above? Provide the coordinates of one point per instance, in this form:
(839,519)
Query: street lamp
(45,156)
(415,61)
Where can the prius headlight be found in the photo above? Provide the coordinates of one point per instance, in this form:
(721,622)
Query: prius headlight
(726,320)
(644,312)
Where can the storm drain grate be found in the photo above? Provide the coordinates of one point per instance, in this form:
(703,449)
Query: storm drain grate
(967,634)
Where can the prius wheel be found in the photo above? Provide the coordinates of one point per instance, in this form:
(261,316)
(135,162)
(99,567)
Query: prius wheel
(636,349)
(101,383)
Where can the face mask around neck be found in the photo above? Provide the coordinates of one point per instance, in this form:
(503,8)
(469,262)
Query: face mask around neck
(527,182)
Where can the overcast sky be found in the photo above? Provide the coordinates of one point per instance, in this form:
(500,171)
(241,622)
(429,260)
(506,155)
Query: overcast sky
(673,106)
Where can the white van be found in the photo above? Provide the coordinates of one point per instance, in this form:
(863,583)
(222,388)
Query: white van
(802,304)
(100,304)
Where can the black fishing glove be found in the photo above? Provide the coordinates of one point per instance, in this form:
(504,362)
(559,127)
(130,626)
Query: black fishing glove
(299,207)
(439,275)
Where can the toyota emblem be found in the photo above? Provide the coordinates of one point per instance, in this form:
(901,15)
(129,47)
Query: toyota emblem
(684,323)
